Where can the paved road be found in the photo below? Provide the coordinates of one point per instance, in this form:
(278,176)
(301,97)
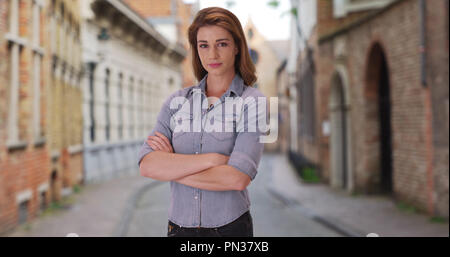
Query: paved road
(271,216)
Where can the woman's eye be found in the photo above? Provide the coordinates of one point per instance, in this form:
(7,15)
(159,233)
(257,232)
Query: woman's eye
(223,44)
(203,46)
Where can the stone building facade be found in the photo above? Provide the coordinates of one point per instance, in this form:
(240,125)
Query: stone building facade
(64,72)
(130,69)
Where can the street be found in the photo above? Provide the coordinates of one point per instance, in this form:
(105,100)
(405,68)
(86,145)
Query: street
(281,205)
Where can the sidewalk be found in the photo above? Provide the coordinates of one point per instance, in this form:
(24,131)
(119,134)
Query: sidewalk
(98,210)
(357,215)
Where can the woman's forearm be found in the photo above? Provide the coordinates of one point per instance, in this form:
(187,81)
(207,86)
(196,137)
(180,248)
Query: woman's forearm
(165,166)
(218,178)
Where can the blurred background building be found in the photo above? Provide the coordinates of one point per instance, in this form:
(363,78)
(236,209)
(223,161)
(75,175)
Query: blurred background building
(267,55)
(81,83)
(130,69)
(368,90)
(172,19)
(40,94)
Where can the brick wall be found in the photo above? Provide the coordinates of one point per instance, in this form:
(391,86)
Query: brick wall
(326,24)
(396,31)
(28,169)
(24,168)
(437,69)
(153,8)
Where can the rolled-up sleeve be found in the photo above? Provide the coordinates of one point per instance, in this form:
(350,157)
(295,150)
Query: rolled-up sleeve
(248,149)
(162,126)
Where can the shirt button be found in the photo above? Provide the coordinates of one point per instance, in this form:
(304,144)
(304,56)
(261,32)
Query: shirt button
(195,197)
(196,152)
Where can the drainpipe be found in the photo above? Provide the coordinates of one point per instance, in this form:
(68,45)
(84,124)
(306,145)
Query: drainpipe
(423,57)
(428,108)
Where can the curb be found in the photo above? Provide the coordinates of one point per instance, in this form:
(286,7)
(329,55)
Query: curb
(122,228)
(326,221)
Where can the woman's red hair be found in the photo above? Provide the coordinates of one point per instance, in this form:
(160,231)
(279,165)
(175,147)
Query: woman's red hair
(227,20)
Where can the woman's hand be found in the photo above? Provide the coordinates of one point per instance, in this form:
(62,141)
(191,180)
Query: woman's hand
(159,142)
(219,159)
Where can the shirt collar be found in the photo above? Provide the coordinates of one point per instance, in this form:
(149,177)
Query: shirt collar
(236,87)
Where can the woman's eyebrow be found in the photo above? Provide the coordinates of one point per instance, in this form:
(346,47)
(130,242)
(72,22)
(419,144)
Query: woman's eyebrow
(222,39)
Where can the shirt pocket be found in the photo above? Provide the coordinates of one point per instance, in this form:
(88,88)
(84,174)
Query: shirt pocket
(182,142)
(221,142)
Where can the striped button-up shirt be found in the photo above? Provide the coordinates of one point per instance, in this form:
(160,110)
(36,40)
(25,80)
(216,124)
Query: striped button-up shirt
(177,120)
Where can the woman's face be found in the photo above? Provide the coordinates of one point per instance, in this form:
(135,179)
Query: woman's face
(216,49)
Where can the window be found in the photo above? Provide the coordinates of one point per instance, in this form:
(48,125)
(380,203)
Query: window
(107,118)
(307,108)
(254,56)
(37,64)
(141,108)
(15,45)
(120,106)
(250,33)
(131,107)
(91,70)
(307,99)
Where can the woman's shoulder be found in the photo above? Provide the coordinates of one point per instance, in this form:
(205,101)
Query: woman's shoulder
(182,92)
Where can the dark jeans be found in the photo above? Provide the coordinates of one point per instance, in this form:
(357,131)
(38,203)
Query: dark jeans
(241,227)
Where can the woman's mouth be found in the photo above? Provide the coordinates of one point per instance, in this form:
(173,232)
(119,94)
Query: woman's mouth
(214,65)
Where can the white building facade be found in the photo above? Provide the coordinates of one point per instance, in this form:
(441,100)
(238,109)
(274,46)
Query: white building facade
(130,69)
(302,29)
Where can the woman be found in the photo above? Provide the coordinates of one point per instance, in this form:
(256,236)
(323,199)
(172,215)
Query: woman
(209,170)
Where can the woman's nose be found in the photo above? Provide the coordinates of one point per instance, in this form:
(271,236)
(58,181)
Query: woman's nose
(214,52)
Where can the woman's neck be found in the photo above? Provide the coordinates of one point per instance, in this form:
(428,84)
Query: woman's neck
(216,85)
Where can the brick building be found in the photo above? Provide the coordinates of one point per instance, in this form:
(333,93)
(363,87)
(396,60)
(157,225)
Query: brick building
(63,75)
(380,111)
(24,155)
(40,111)
(172,19)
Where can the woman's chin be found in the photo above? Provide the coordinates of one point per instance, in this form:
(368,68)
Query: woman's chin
(216,72)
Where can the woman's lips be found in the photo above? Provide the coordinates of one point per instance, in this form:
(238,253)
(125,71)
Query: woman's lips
(214,65)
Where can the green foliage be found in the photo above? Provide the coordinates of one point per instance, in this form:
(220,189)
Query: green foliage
(76,189)
(437,219)
(402,206)
(309,175)
(273,3)
(230,4)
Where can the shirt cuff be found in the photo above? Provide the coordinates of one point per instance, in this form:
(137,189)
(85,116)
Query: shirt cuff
(243,163)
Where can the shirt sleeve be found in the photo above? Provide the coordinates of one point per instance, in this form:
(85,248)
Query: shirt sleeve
(248,149)
(162,126)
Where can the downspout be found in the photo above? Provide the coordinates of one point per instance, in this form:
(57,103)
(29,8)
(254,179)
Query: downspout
(428,109)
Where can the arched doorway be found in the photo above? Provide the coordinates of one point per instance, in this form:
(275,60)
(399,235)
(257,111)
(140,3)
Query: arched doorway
(340,143)
(378,123)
